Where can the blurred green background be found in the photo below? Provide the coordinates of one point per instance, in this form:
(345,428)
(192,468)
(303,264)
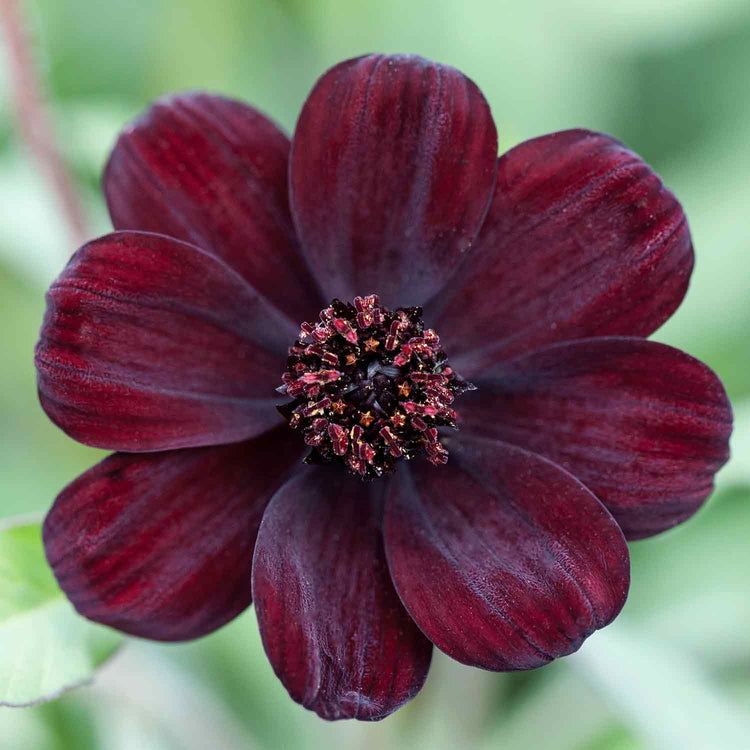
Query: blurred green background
(670,79)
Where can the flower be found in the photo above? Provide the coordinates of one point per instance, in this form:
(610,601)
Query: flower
(542,273)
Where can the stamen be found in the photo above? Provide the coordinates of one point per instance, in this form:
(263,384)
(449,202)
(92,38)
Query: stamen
(368,402)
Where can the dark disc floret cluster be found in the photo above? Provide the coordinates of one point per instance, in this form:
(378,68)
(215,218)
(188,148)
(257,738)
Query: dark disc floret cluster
(370,386)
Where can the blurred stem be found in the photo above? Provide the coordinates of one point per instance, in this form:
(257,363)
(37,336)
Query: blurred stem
(34,121)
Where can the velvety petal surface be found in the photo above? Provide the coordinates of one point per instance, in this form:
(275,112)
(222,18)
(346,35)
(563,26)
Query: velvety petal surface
(503,559)
(214,172)
(149,343)
(332,625)
(582,239)
(643,425)
(393,163)
(160,545)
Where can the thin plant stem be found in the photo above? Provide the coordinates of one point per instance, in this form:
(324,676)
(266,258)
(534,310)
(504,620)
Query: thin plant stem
(33,118)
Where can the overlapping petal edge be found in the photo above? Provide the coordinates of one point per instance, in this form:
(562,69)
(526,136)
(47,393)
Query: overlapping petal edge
(542,270)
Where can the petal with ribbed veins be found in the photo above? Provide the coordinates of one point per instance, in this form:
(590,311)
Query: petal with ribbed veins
(149,343)
(160,545)
(641,424)
(503,559)
(393,163)
(332,624)
(582,239)
(213,171)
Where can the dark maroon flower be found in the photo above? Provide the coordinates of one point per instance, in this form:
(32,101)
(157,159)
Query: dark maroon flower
(502,543)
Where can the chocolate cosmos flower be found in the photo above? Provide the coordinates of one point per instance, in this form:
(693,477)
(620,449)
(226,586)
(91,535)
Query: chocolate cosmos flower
(503,543)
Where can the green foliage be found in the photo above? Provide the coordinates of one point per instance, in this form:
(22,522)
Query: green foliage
(46,648)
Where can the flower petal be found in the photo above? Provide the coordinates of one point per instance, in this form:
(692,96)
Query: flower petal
(582,239)
(393,163)
(332,625)
(642,425)
(213,172)
(149,343)
(160,545)
(503,559)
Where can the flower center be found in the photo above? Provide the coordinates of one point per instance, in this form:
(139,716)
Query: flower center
(370,386)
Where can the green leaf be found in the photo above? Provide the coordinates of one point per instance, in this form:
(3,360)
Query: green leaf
(46,648)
